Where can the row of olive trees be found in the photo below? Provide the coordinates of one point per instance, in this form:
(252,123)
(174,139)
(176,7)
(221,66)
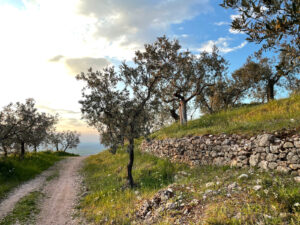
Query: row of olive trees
(63,140)
(22,126)
(127,103)
(256,80)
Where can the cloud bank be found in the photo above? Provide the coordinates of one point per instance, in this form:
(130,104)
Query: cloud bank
(222,44)
(135,22)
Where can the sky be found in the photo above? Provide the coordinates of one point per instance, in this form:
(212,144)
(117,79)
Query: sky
(45,43)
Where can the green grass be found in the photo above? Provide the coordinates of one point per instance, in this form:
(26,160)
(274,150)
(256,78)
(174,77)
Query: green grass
(53,176)
(14,171)
(105,177)
(24,210)
(275,115)
(110,201)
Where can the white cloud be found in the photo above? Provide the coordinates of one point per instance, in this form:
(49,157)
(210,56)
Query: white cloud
(235,16)
(71,120)
(222,44)
(233,31)
(77,65)
(137,22)
(221,23)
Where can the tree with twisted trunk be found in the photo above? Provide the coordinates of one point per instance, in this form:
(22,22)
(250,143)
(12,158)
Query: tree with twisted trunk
(119,105)
(260,77)
(183,76)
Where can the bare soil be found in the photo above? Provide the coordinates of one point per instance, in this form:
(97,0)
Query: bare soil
(61,195)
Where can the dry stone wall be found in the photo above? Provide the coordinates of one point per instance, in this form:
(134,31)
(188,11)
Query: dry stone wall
(266,151)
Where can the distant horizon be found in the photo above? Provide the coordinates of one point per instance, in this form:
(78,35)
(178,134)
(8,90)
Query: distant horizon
(83,149)
(88,148)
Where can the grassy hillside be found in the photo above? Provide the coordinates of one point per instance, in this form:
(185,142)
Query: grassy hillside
(275,115)
(221,195)
(105,177)
(14,171)
(202,195)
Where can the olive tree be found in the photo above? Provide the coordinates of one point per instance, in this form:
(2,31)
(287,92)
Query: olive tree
(54,138)
(119,103)
(21,124)
(8,128)
(41,129)
(274,23)
(261,76)
(224,94)
(69,140)
(63,140)
(32,126)
(183,75)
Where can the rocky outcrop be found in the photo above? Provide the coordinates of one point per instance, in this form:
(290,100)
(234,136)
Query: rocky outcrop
(169,202)
(267,151)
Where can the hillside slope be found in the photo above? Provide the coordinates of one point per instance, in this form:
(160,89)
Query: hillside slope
(168,193)
(173,193)
(251,119)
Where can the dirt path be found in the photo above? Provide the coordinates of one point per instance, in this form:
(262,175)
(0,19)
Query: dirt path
(61,195)
(8,203)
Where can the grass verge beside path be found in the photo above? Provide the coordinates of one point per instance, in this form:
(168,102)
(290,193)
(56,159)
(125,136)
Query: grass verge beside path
(109,201)
(14,171)
(105,177)
(24,211)
(275,115)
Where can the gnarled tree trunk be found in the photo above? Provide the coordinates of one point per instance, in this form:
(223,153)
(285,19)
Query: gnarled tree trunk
(183,112)
(22,150)
(270,90)
(130,164)
(5,151)
(174,114)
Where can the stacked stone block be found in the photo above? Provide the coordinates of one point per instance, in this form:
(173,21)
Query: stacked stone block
(266,151)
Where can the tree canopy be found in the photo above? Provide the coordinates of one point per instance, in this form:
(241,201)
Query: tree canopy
(274,23)
(183,75)
(23,126)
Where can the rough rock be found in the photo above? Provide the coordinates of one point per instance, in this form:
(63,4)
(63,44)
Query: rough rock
(297,179)
(257,187)
(232,186)
(263,165)
(209,184)
(254,159)
(288,145)
(266,151)
(243,176)
(265,140)
(272,165)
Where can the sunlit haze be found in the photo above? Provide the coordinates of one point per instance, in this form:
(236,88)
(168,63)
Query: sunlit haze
(45,43)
